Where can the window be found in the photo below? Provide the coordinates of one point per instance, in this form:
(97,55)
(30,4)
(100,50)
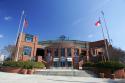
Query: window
(76,59)
(56,64)
(69,63)
(29,38)
(62,51)
(27,50)
(83,52)
(56,52)
(48,50)
(69,52)
(76,53)
(100,53)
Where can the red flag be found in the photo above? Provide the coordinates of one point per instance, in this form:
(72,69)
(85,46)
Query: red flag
(25,23)
(98,23)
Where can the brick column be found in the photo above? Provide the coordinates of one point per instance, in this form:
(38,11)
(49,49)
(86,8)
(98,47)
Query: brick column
(39,58)
(72,54)
(59,54)
(79,51)
(65,52)
(66,57)
(87,55)
(87,52)
(52,55)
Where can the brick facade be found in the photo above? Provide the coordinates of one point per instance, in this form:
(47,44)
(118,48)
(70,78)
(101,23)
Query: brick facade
(50,48)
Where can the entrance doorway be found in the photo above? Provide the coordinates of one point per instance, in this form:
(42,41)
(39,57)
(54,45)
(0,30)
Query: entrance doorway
(62,62)
(40,52)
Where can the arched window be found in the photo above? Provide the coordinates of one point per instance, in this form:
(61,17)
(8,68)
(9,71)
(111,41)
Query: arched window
(28,38)
(69,52)
(62,51)
(56,52)
(27,50)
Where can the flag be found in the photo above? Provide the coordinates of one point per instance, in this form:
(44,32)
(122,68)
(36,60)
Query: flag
(98,23)
(25,23)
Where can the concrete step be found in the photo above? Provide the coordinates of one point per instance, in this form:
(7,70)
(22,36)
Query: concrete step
(61,67)
(65,72)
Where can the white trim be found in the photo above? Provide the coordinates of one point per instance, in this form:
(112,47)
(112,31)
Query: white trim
(55,59)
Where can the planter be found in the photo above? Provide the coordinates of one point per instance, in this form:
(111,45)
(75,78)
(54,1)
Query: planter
(112,76)
(11,69)
(107,72)
(101,75)
(23,71)
(30,71)
(119,73)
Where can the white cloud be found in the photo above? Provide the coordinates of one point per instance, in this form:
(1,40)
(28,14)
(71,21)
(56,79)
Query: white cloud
(7,18)
(1,36)
(90,35)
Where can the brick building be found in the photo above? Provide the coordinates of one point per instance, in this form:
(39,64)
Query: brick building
(59,53)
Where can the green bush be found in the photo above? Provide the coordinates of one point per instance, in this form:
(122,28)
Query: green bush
(24,65)
(13,64)
(113,65)
(88,64)
(27,65)
(38,65)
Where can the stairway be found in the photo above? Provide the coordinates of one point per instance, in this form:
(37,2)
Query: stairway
(65,72)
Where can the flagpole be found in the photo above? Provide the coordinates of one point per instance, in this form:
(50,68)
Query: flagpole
(106,27)
(20,37)
(106,48)
(19,26)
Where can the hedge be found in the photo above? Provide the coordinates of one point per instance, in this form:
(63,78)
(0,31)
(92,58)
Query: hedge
(88,64)
(113,65)
(25,65)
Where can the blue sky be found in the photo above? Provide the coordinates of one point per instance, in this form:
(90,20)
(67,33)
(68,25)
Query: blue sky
(74,18)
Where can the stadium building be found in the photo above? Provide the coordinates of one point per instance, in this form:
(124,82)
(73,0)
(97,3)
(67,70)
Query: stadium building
(62,52)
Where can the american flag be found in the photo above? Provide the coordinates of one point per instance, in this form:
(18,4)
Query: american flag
(25,23)
(98,23)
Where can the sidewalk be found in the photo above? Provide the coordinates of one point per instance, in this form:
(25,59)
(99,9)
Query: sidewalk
(20,78)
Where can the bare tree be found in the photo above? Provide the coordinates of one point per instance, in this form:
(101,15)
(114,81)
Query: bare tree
(10,50)
(117,54)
